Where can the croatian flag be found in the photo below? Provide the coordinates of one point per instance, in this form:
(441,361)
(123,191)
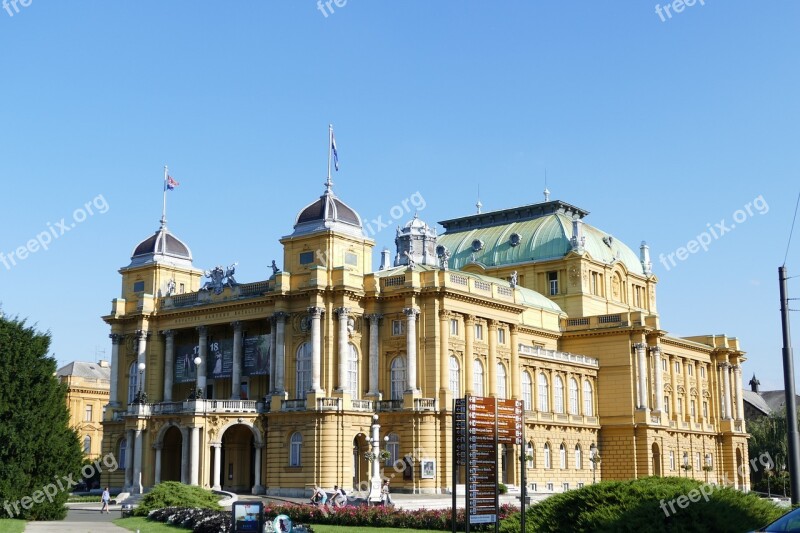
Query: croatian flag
(171,183)
(335,153)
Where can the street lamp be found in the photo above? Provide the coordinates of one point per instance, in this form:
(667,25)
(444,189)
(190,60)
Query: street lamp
(196,393)
(141,397)
(375,480)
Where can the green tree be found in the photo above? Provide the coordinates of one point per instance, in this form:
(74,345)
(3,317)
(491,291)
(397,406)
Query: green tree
(39,451)
(768,439)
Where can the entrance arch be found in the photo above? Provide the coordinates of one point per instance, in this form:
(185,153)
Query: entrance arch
(361,467)
(656,460)
(237,459)
(171,454)
(740,471)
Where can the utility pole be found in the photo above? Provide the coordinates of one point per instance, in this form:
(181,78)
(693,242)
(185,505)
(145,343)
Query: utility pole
(788,380)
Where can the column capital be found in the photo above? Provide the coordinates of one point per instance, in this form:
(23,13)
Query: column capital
(279,315)
(513,328)
(202,330)
(374,318)
(116,338)
(141,334)
(655,350)
(723,365)
(640,346)
(168,333)
(411,312)
(469,320)
(493,324)
(315,312)
(342,312)
(737,368)
(237,325)
(445,313)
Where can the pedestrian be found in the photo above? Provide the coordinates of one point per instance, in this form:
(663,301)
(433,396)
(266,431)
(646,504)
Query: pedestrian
(320,497)
(105,498)
(385,496)
(339,497)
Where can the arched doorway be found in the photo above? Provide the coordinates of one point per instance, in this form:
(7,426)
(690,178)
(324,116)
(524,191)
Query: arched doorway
(656,460)
(237,459)
(361,468)
(171,454)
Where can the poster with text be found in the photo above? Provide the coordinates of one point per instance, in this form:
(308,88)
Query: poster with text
(256,355)
(184,369)
(220,359)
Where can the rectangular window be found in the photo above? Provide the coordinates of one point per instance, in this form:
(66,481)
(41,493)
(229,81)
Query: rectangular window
(181,288)
(549,487)
(88,413)
(690,369)
(705,410)
(138,286)
(680,405)
(501,336)
(702,372)
(454,326)
(672,460)
(479,332)
(666,404)
(552,281)
(306,258)
(566,487)
(677,367)
(351,259)
(697,465)
(580,485)
(398,328)
(664,365)
(691,408)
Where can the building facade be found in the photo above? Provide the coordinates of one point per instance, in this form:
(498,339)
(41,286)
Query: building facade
(272,386)
(88,387)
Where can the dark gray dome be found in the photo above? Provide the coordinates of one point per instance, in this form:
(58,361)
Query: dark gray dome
(163,242)
(328,213)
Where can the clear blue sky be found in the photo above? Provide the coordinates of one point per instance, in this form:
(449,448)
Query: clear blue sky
(655,127)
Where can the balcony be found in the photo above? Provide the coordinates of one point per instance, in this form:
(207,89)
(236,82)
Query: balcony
(363,405)
(329,404)
(424,404)
(538,351)
(389,405)
(293,405)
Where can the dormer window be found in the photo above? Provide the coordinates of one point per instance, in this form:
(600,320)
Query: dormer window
(515,239)
(138,286)
(306,258)
(477,245)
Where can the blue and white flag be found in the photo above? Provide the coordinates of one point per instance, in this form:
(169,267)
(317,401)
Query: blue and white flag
(335,153)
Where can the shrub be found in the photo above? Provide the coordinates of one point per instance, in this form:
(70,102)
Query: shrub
(174,494)
(502,489)
(639,505)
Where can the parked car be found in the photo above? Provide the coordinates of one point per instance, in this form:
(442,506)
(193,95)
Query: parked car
(790,522)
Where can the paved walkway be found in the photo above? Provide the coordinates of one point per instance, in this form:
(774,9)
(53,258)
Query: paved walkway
(81,518)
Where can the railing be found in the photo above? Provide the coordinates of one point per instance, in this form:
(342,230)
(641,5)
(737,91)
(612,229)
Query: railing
(505,291)
(167,408)
(424,404)
(578,322)
(607,319)
(253,289)
(394,281)
(182,300)
(562,417)
(329,404)
(538,351)
(655,419)
(293,405)
(363,405)
(231,406)
(546,416)
(118,416)
(483,286)
(390,405)
(591,420)
(672,424)
(459,280)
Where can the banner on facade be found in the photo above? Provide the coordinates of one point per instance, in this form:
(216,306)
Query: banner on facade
(220,359)
(185,371)
(256,355)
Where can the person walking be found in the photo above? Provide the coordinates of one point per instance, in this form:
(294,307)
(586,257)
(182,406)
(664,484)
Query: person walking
(385,496)
(339,497)
(105,498)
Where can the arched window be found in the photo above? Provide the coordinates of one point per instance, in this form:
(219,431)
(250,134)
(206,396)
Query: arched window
(578,457)
(87,445)
(455,377)
(303,370)
(573,396)
(547,461)
(558,394)
(588,401)
(544,392)
(295,446)
(527,391)
(531,457)
(398,378)
(477,374)
(133,381)
(123,452)
(562,455)
(393,447)
(501,381)
(352,372)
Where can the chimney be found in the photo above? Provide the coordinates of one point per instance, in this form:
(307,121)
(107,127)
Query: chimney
(644,257)
(577,234)
(103,363)
(385,258)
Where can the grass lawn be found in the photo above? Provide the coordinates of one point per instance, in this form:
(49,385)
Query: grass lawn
(12,526)
(140,523)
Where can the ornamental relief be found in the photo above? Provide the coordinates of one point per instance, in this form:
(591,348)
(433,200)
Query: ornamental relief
(574,276)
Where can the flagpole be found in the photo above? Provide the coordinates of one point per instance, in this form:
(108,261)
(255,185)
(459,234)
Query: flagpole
(328,182)
(164,208)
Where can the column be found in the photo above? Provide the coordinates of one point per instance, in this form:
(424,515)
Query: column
(492,332)
(687,396)
(343,313)
(469,335)
(444,350)
(515,374)
(129,454)
(374,328)
(203,353)
(169,363)
(217,467)
(157,447)
(194,458)
(236,371)
(141,355)
(726,377)
(673,379)
(737,374)
(184,456)
(272,357)
(257,488)
(657,366)
(280,350)
(316,348)
(411,347)
(116,340)
(137,462)
(642,372)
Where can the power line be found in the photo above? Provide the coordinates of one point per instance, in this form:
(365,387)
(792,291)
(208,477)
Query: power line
(792,230)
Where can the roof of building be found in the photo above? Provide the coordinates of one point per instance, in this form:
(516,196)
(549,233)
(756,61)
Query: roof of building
(328,212)
(755,399)
(86,370)
(536,232)
(162,247)
(776,399)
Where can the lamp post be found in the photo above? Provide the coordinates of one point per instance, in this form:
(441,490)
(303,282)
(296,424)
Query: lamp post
(375,480)
(198,394)
(141,397)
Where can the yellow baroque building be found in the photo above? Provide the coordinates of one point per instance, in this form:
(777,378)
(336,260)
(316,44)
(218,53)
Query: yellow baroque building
(271,387)
(87,395)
